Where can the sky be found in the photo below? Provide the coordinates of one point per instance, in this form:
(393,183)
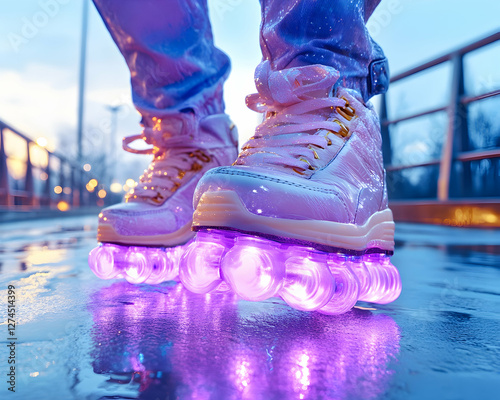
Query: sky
(40,45)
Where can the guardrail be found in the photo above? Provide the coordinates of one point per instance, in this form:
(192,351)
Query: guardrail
(455,146)
(33,177)
(454,204)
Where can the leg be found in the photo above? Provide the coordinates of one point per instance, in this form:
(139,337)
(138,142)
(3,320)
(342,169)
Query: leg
(326,32)
(169,49)
(177,76)
(303,211)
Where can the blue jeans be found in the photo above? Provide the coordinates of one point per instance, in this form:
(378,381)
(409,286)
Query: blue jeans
(175,66)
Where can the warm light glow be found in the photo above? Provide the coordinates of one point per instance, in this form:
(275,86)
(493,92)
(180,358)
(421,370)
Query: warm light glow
(93,183)
(17,168)
(42,142)
(39,156)
(131,183)
(490,217)
(34,374)
(67,190)
(116,187)
(472,216)
(15,146)
(63,206)
(89,187)
(44,176)
(87,167)
(102,194)
(157,125)
(58,190)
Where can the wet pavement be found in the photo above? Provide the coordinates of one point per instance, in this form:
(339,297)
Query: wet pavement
(82,338)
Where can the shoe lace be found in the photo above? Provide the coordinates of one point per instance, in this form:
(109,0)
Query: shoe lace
(172,161)
(300,116)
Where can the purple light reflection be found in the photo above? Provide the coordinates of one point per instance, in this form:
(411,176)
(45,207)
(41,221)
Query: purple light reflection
(173,342)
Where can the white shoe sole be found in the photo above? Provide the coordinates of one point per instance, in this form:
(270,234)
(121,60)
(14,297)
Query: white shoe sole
(107,234)
(224,209)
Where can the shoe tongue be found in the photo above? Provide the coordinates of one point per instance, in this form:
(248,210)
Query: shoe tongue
(151,190)
(171,130)
(282,88)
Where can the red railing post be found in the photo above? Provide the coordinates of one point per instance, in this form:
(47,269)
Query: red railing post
(386,139)
(28,180)
(5,198)
(47,187)
(456,139)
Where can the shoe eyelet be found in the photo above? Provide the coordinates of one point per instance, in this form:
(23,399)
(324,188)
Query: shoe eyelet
(348,111)
(329,141)
(196,167)
(315,145)
(200,155)
(316,156)
(158,199)
(297,171)
(176,186)
(308,163)
(344,130)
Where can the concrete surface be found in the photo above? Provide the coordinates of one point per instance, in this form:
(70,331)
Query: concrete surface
(82,338)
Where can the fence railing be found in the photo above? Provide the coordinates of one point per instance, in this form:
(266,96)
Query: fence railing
(33,177)
(456,141)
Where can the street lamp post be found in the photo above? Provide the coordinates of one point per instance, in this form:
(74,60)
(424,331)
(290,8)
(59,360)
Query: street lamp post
(81,94)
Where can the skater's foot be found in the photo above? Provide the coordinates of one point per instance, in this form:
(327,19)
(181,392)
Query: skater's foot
(142,238)
(303,212)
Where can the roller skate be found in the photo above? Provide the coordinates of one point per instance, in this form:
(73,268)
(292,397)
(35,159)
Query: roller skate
(302,213)
(142,239)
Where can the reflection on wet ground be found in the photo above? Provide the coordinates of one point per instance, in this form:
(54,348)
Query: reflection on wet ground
(214,347)
(95,339)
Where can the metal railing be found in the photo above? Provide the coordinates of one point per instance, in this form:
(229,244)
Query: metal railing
(455,146)
(50,181)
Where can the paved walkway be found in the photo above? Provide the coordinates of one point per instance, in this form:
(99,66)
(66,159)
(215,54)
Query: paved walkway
(82,338)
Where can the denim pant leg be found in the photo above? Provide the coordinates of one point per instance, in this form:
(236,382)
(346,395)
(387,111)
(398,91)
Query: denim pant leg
(168,47)
(328,32)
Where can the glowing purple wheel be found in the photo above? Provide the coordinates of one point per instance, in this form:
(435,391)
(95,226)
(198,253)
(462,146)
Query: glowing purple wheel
(385,282)
(346,286)
(308,284)
(165,265)
(357,266)
(395,282)
(254,268)
(102,261)
(138,267)
(199,269)
(373,292)
(388,276)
